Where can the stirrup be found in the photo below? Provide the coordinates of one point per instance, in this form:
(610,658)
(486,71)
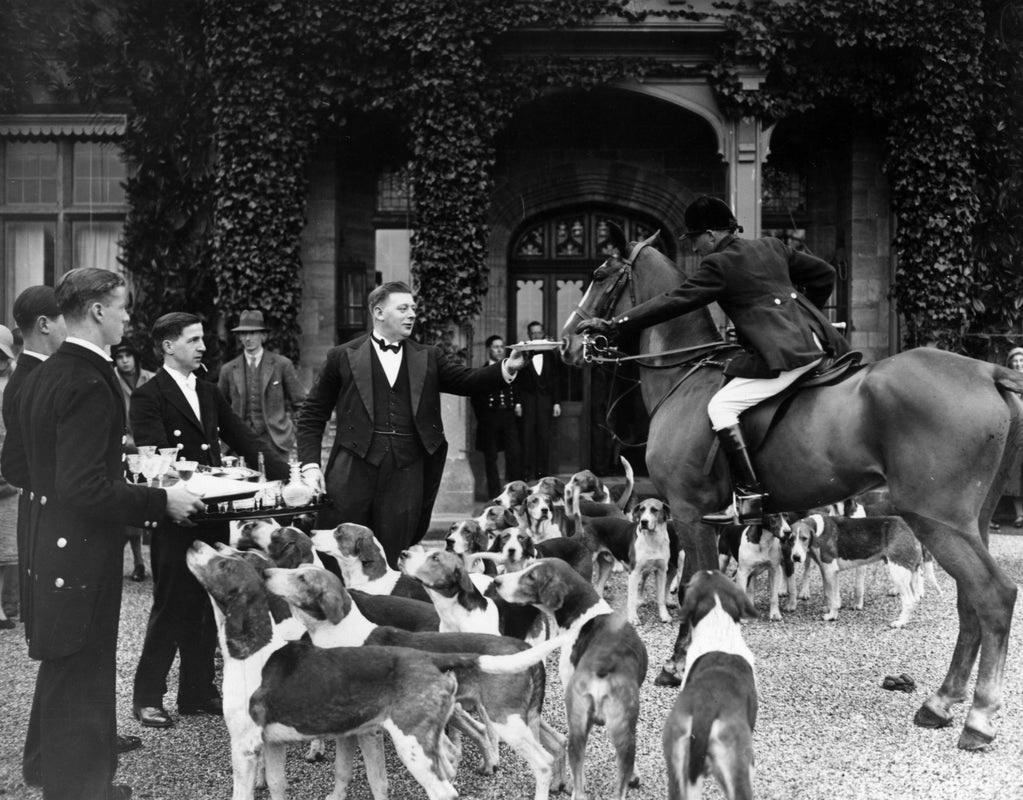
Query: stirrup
(749,507)
(724,517)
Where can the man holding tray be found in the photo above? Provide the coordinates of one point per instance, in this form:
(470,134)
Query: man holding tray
(388,457)
(175,410)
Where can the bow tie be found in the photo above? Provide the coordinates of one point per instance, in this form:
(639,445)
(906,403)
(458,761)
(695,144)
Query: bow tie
(394,348)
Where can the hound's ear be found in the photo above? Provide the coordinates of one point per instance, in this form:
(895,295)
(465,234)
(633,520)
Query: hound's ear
(635,515)
(743,605)
(616,237)
(481,538)
(335,605)
(687,608)
(509,519)
(666,512)
(551,591)
(464,579)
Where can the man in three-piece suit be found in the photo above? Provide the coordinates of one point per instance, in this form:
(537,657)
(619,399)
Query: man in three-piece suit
(539,388)
(174,409)
(73,427)
(388,457)
(262,386)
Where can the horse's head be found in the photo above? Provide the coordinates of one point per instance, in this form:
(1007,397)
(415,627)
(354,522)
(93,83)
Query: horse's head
(614,289)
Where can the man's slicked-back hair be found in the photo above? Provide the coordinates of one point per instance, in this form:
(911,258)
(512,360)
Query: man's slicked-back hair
(170,327)
(80,288)
(379,295)
(494,338)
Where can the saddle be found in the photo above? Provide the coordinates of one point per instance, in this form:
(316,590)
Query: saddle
(760,420)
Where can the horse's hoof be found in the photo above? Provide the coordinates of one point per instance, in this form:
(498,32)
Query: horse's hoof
(926,718)
(667,679)
(972,739)
(634,783)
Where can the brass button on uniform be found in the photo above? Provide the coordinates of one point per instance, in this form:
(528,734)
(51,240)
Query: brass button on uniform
(59,583)
(42,500)
(777,301)
(62,542)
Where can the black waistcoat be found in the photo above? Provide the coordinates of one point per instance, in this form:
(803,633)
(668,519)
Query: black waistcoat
(393,423)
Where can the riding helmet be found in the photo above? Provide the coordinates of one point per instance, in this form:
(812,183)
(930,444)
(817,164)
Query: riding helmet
(708,214)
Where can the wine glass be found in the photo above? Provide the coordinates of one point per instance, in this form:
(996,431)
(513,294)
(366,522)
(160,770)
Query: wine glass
(186,469)
(134,466)
(147,450)
(152,466)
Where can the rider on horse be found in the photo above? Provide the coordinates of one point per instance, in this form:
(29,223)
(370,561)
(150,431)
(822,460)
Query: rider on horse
(783,332)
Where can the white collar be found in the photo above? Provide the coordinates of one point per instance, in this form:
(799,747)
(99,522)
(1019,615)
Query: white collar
(254,356)
(185,381)
(379,336)
(90,346)
(34,354)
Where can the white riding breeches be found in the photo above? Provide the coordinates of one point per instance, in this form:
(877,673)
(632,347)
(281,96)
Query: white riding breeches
(741,393)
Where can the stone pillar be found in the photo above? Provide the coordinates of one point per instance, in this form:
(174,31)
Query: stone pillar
(457,488)
(746,157)
(317,316)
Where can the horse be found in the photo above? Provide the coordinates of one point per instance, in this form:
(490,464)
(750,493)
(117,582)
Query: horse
(938,428)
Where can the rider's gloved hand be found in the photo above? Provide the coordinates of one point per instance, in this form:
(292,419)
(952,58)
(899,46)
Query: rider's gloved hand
(598,327)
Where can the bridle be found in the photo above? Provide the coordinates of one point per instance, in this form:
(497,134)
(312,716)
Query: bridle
(596,350)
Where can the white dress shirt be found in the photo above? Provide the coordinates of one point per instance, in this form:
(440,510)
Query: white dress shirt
(389,360)
(254,359)
(90,346)
(187,385)
(538,363)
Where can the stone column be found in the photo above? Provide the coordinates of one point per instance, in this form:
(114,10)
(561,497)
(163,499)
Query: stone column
(746,158)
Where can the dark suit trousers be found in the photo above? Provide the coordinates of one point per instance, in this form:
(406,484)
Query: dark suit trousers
(537,418)
(181,621)
(498,429)
(387,499)
(75,703)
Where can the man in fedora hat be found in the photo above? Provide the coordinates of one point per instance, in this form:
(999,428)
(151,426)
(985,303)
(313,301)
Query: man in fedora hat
(261,386)
(781,328)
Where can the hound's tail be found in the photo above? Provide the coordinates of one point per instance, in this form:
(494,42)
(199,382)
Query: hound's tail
(518,662)
(630,484)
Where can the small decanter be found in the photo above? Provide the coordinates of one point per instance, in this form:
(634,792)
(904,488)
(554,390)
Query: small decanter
(296,492)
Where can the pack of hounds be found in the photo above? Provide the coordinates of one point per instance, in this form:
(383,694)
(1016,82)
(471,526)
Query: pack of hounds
(322,639)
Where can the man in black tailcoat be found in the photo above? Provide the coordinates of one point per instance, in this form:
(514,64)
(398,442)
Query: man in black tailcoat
(72,420)
(539,388)
(173,409)
(385,468)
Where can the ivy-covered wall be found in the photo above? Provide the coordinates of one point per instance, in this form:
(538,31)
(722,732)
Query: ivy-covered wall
(260,80)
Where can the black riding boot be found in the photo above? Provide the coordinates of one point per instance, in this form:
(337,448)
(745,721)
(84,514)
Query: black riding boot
(749,496)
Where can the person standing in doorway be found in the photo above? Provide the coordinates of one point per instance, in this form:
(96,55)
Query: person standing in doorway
(262,386)
(496,427)
(539,388)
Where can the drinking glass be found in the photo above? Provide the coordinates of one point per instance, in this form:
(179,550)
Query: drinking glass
(151,467)
(147,450)
(186,469)
(134,466)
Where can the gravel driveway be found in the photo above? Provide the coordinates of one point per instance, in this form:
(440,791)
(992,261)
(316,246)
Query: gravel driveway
(826,728)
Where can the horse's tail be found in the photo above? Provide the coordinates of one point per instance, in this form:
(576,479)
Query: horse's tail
(1008,379)
(630,483)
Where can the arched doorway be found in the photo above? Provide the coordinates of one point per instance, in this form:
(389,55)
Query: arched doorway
(550,263)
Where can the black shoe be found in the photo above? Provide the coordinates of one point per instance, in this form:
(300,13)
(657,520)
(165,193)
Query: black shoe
(138,574)
(125,744)
(212,707)
(153,716)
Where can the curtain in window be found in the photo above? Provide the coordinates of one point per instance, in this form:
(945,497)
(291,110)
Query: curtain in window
(97,244)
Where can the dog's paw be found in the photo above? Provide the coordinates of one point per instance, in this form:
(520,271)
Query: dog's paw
(664,616)
(775,615)
(829,616)
(634,783)
(667,679)
(634,621)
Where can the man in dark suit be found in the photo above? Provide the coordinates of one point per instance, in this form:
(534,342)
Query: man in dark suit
(496,426)
(42,331)
(783,331)
(540,388)
(262,386)
(174,409)
(73,425)
(388,457)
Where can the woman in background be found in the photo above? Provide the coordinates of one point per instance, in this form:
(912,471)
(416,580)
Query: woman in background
(130,376)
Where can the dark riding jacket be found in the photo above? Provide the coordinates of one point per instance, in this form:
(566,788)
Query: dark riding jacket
(772,294)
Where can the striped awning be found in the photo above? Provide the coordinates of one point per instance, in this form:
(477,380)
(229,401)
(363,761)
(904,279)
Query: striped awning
(49,126)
